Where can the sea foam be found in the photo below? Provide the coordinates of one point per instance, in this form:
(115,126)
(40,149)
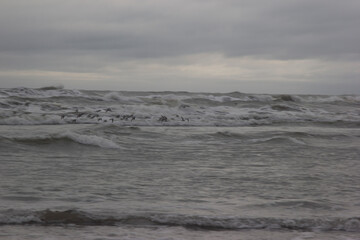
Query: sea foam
(90,140)
(26,106)
(68,136)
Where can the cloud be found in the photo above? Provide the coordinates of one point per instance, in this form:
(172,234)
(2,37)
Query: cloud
(207,72)
(227,37)
(275,29)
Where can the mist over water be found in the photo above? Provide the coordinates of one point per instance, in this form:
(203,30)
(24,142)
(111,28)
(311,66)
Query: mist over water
(158,165)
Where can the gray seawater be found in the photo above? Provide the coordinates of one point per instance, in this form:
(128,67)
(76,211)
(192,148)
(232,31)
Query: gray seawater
(128,165)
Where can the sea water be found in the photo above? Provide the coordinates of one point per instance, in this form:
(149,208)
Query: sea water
(176,165)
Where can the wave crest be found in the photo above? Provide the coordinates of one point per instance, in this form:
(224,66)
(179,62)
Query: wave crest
(90,140)
(69,136)
(50,217)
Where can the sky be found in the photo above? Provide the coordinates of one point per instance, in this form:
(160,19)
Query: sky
(253,46)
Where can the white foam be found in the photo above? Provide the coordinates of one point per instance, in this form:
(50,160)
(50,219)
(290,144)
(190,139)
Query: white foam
(17,217)
(331,99)
(41,93)
(260,98)
(72,136)
(200,108)
(118,97)
(16,120)
(221,99)
(90,140)
(30,119)
(168,97)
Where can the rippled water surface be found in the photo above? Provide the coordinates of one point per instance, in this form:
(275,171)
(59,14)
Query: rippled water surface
(120,165)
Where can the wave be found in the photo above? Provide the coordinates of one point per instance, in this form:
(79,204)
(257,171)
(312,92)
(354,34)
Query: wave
(67,136)
(55,87)
(115,96)
(278,139)
(137,97)
(75,217)
(90,140)
(55,105)
(155,117)
(45,92)
(333,99)
(283,107)
(296,204)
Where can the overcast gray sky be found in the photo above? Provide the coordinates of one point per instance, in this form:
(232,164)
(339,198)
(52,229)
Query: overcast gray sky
(258,46)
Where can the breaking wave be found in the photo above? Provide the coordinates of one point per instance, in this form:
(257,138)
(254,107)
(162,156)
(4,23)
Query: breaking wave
(45,92)
(75,217)
(56,105)
(90,140)
(68,136)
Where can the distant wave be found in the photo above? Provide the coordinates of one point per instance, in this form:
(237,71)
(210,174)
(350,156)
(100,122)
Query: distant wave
(56,87)
(56,105)
(50,91)
(46,92)
(51,217)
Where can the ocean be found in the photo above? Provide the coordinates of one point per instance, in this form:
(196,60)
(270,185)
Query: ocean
(80,164)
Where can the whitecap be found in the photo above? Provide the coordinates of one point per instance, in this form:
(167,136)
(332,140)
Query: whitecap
(90,140)
(116,96)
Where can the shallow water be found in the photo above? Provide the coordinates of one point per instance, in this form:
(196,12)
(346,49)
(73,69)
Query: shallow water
(159,233)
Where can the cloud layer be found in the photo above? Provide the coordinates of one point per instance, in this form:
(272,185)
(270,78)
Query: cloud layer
(159,43)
